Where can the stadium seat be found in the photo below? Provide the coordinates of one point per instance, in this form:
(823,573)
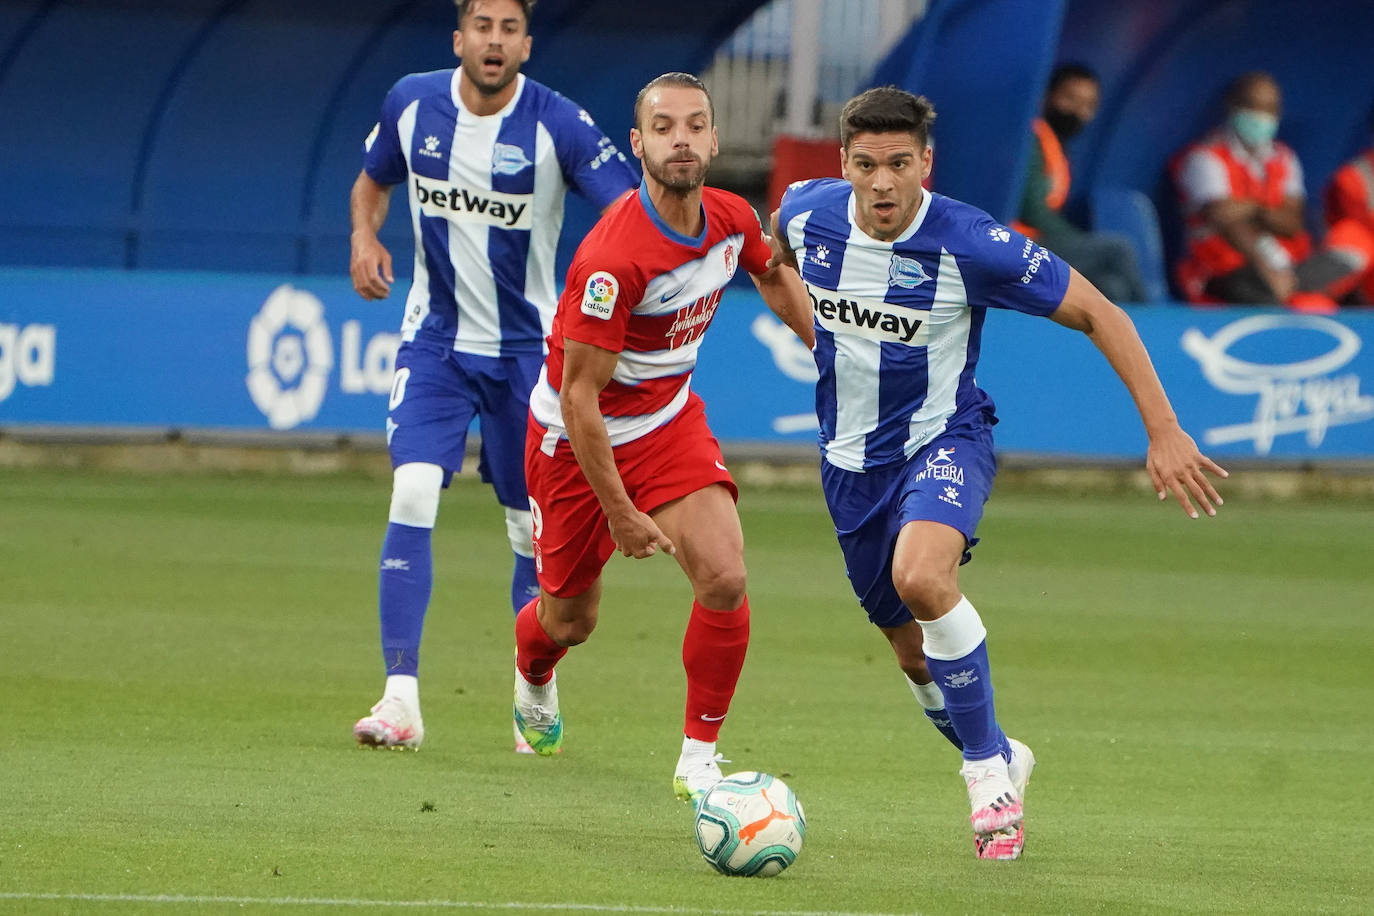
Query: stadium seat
(1131,213)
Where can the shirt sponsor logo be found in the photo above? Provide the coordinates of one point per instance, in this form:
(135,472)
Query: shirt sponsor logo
(607,153)
(507,159)
(870,318)
(906,272)
(1034,255)
(941,466)
(692,321)
(461,204)
(598,299)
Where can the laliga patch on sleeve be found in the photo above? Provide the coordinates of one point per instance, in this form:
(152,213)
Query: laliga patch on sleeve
(598,299)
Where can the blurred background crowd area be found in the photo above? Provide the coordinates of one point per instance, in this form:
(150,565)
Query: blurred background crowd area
(224,134)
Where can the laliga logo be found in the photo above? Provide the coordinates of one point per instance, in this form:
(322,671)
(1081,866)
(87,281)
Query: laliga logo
(28,355)
(1303,396)
(290,355)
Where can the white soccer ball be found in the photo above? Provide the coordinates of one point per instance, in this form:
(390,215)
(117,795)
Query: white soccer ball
(750,824)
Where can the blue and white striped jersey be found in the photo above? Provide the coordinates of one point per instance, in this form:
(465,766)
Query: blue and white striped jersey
(486,204)
(899,323)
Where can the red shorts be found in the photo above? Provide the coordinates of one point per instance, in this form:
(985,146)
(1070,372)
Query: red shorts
(572,541)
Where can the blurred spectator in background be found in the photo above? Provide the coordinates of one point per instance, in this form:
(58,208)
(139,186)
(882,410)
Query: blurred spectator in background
(1108,260)
(1350,196)
(1242,195)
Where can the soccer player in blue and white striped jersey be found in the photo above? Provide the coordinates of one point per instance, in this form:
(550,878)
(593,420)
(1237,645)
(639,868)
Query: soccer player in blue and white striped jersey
(901,280)
(485,156)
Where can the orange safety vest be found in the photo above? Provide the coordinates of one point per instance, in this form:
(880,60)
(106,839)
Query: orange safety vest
(1350,195)
(1056,169)
(1209,255)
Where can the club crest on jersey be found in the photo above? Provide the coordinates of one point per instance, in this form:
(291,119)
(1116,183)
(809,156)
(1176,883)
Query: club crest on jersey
(430,148)
(507,159)
(906,272)
(730,262)
(598,299)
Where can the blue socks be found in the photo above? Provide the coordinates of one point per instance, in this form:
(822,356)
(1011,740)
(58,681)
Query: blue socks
(407,577)
(967,687)
(957,658)
(524,583)
(940,719)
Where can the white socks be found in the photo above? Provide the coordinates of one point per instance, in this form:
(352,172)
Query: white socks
(404,687)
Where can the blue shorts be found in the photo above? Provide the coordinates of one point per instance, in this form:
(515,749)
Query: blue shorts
(947,481)
(435,395)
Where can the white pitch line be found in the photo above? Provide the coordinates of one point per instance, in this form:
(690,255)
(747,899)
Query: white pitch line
(433,904)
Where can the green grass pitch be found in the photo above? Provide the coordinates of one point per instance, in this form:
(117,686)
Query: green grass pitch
(183,657)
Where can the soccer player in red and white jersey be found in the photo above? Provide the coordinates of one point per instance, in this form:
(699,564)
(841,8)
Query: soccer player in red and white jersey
(618,454)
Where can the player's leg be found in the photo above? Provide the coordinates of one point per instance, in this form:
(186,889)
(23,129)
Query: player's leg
(426,423)
(905,640)
(705,529)
(571,545)
(863,507)
(545,629)
(504,413)
(949,482)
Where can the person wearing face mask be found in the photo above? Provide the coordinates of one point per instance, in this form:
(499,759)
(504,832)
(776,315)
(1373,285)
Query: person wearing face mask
(1243,197)
(1350,197)
(1108,260)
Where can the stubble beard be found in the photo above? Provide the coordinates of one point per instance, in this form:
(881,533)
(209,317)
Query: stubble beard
(504,79)
(681,182)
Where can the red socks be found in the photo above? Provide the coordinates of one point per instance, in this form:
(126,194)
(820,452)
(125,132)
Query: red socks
(536,653)
(713,655)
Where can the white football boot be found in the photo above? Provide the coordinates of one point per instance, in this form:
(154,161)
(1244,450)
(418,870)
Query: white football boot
(394,723)
(697,770)
(1008,843)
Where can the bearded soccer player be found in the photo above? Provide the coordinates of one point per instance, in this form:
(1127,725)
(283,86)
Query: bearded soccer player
(486,157)
(900,281)
(619,455)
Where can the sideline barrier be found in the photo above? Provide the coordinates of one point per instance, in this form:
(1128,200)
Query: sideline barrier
(147,350)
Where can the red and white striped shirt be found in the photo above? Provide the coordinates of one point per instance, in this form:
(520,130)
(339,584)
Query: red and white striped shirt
(640,289)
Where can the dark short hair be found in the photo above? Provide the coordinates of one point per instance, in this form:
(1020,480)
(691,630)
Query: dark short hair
(465,6)
(1238,87)
(1065,72)
(887,109)
(675,78)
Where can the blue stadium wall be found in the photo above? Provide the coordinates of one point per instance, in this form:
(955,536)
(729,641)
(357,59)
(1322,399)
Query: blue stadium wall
(176,181)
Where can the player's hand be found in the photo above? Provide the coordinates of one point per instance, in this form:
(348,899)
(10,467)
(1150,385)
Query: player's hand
(636,535)
(1176,466)
(370,267)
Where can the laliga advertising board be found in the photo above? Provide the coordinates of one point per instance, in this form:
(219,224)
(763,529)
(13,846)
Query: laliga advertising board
(259,353)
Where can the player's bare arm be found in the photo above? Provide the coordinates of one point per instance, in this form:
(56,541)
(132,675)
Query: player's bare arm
(782,255)
(369,264)
(782,289)
(586,371)
(1173,460)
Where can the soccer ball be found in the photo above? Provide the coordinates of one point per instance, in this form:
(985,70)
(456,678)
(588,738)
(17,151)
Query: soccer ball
(750,824)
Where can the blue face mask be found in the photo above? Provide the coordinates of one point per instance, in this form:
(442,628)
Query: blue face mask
(1255,128)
